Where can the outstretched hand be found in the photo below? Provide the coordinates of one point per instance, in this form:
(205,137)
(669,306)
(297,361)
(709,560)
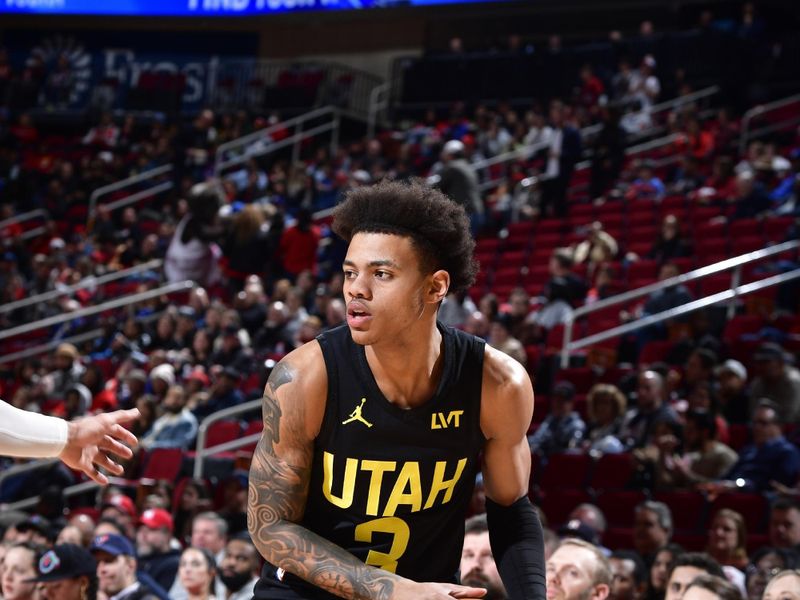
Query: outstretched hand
(92,441)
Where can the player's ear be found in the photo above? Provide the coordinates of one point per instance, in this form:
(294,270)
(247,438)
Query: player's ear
(439,284)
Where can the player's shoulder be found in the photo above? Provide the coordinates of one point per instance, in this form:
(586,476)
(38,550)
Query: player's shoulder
(503,373)
(304,366)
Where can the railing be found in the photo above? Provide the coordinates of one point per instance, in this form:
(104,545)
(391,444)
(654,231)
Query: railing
(179,286)
(68,492)
(760,111)
(736,290)
(27,216)
(378,104)
(201,452)
(74,339)
(152,174)
(259,143)
(91,281)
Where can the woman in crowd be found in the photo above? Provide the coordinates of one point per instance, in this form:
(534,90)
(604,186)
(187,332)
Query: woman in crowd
(196,572)
(765,564)
(727,539)
(659,572)
(19,565)
(605,408)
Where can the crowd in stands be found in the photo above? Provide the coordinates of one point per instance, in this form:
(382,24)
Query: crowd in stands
(699,412)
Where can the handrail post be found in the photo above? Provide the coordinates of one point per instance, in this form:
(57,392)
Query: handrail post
(736,280)
(567,339)
(296,145)
(337,121)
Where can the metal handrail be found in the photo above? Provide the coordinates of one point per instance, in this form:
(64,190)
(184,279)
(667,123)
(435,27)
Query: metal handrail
(26,216)
(758,111)
(242,142)
(671,313)
(68,492)
(25,467)
(86,282)
(735,262)
(73,339)
(202,433)
(179,286)
(122,184)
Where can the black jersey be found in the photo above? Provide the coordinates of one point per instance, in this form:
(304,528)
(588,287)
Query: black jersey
(392,485)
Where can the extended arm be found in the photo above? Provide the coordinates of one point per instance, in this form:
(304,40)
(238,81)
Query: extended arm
(515,532)
(279,483)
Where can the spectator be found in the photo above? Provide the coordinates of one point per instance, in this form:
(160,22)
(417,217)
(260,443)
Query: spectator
(778,381)
(298,246)
(66,373)
(733,398)
(240,568)
(563,154)
(765,563)
(685,569)
(597,248)
(609,153)
(210,532)
(196,573)
(769,458)
(456,308)
(652,529)
(193,497)
(606,409)
(727,539)
(639,422)
(751,199)
(478,568)
(116,569)
(784,586)
(591,516)
(19,566)
(104,135)
(156,556)
(500,338)
(67,572)
(578,570)
(176,428)
(563,429)
(659,571)
(232,353)
(670,243)
(784,524)
(706,459)
(629,576)
(122,509)
(224,394)
(459,181)
(646,186)
(710,587)
(644,85)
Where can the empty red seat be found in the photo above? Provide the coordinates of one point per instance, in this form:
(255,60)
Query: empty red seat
(222,432)
(163,463)
(753,507)
(688,509)
(618,506)
(565,471)
(557,504)
(612,472)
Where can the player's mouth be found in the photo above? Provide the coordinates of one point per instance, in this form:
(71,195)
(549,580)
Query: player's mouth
(357,314)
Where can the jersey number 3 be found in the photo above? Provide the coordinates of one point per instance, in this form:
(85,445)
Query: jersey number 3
(400,532)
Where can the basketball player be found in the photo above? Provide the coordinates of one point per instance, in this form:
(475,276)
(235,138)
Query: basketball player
(360,482)
(83,444)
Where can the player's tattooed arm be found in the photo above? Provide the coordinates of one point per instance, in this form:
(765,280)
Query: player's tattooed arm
(279,483)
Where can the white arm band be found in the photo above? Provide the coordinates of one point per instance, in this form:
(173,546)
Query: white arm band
(28,434)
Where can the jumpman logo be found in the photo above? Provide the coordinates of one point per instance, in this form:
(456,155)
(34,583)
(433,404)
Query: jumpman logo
(356,415)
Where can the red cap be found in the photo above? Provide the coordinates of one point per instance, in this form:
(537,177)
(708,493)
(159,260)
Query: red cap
(200,376)
(157,518)
(123,503)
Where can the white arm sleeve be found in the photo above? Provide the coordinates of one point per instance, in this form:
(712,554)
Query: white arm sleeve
(29,434)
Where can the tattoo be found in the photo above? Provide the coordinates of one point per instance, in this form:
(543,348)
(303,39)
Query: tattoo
(279,478)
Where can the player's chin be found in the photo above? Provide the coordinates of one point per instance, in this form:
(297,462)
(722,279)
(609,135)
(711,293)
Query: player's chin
(363,335)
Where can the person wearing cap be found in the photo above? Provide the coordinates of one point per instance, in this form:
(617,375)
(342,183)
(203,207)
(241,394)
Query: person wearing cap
(777,380)
(225,393)
(240,568)
(122,509)
(67,572)
(157,558)
(732,394)
(459,181)
(477,567)
(176,428)
(67,371)
(185,326)
(563,429)
(116,569)
(83,445)
(35,529)
(162,377)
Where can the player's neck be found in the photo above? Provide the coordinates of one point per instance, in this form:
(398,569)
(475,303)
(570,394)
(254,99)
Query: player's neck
(408,370)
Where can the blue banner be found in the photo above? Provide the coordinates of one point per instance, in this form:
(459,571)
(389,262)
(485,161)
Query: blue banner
(205,8)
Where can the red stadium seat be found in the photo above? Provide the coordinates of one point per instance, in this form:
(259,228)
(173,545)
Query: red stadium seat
(688,508)
(618,506)
(163,463)
(565,471)
(221,432)
(753,507)
(612,472)
(558,503)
